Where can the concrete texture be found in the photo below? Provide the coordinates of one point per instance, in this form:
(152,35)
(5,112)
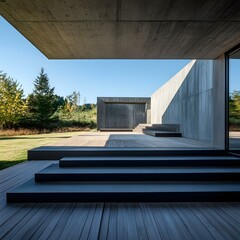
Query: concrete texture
(148,29)
(121,112)
(219,106)
(187,100)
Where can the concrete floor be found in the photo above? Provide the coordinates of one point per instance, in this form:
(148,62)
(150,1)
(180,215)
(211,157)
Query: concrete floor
(129,139)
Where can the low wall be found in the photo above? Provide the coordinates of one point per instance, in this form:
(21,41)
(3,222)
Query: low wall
(187,99)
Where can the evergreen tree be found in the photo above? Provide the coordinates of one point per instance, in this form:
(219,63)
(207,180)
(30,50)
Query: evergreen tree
(12,104)
(234,104)
(42,102)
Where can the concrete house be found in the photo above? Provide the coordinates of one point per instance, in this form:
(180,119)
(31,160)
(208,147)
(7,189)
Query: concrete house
(125,193)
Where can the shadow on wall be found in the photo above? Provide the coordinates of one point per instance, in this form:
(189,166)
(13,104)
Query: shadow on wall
(187,99)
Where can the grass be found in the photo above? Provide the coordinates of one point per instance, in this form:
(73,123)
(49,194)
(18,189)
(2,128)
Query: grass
(13,149)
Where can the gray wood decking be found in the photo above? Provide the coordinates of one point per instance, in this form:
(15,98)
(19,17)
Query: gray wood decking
(129,140)
(111,220)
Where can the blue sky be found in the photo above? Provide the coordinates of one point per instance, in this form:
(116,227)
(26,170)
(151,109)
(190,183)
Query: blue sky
(92,78)
(234,75)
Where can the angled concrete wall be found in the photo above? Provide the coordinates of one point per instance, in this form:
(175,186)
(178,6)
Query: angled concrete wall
(121,112)
(187,99)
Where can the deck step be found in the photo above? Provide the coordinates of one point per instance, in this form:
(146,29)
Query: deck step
(55,173)
(116,129)
(157,133)
(149,161)
(124,192)
(128,175)
(58,152)
(164,127)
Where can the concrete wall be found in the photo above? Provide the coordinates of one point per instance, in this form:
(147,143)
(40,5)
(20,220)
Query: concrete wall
(121,112)
(187,99)
(122,115)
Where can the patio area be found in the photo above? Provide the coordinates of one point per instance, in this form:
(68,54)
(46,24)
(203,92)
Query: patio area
(124,220)
(129,140)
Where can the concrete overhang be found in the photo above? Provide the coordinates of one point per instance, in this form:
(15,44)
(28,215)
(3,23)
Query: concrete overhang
(127,29)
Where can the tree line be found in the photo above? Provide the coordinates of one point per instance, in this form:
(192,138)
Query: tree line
(234,110)
(42,109)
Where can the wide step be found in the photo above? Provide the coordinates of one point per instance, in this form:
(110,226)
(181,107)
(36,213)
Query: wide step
(54,173)
(56,152)
(124,191)
(129,175)
(162,161)
(157,133)
(116,129)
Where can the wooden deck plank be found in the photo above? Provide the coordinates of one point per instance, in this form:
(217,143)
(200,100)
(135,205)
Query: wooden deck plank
(195,227)
(36,223)
(167,219)
(223,220)
(77,218)
(16,179)
(96,222)
(112,225)
(62,221)
(121,221)
(159,216)
(226,231)
(232,212)
(198,213)
(132,224)
(12,182)
(46,229)
(9,212)
(149,222)
(141,227)
(33,222)
(17,172)
(126,228)
(227,218)
(103,231)
(11,227)
(88,223)
(26,167)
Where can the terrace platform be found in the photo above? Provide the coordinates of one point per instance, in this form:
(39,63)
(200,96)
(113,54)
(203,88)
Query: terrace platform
(118,220)
(95,143)
(138,220)
(130,140)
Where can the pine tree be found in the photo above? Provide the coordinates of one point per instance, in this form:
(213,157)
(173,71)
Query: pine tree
(42,102)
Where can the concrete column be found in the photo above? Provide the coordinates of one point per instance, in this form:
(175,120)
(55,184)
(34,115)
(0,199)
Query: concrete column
(219,102)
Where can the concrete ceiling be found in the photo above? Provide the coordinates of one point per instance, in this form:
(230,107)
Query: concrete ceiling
(122,29)
(235,54)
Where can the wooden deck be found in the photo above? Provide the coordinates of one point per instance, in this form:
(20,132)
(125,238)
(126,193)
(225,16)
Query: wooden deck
(111,220)
(129,140)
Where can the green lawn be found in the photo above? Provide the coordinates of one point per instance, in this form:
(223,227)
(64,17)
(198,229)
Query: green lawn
(13,149)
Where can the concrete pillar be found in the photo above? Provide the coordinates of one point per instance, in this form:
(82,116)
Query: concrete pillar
(219,102)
